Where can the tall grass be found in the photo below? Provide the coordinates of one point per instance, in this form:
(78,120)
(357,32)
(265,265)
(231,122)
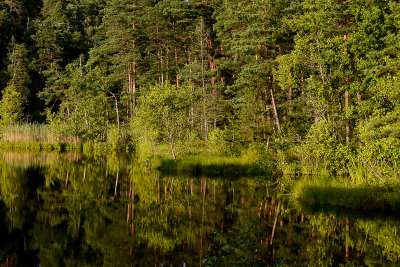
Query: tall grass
(348,193)
(33,136)
(30,132)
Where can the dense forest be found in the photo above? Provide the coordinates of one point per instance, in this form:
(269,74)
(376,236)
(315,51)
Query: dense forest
(313,84)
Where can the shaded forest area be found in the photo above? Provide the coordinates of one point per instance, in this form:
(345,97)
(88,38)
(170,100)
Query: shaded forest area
(312,85)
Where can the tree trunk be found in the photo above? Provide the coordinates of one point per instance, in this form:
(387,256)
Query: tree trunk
(117,111)
(171,143)
(66,180)
(116,184)
(176,57)
(346,97)
(133,85)
(167,59)
(278,125)
(159,63)
(359,100)
(204,113)
(213,67)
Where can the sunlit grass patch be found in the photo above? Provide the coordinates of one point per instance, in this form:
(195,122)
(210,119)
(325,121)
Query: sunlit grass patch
(217,166)
(345,193)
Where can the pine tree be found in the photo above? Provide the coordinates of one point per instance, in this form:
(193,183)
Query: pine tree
(251,39)
(15,95)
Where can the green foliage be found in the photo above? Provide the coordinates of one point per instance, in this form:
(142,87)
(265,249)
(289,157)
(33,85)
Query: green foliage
(11,106)
(321,151)
(15,95)
(218,144)
(120,138)
(164,112)
(381,145)
(313,83)
(350,194)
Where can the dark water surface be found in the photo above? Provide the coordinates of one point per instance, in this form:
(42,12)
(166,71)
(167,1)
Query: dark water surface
(74,210)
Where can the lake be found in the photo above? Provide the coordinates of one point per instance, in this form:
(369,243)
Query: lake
(77,210)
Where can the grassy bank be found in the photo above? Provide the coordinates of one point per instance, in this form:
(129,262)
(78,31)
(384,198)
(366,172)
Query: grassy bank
(211,166)
(347,194)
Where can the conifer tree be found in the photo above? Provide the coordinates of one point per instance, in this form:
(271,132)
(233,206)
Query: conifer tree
(15,95)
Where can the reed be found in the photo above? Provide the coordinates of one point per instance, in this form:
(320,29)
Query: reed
(38,137)
(29,132)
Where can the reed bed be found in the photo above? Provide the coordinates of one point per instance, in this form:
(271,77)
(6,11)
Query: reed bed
(38,137)
(29,132)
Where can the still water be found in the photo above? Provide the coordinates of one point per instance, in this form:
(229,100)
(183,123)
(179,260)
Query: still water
(75,210)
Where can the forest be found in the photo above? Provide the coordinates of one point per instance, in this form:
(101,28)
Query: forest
(309,86)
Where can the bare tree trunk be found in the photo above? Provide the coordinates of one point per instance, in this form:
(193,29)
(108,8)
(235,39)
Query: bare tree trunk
(171,143)
(66,180)
(133,87)
(133,90)
(117,110)
(80,65)
(213,67)
(204,113)
(176,58)
(278,125)
(359,100)
(129,89)
(167,59)
(116,184)
(346,99)
(177,71)
(371,168)
(159,63)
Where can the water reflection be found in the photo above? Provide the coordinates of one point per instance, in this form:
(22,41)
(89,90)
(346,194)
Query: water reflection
(75,210)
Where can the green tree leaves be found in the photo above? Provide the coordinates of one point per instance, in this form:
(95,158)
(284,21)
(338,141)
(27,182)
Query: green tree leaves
(164,113)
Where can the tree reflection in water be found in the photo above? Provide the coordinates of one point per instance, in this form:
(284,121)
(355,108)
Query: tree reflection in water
(75,210)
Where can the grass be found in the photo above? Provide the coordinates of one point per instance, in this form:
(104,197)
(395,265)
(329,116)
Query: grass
(202,165)
(348,194)
(38,137)
(26,133)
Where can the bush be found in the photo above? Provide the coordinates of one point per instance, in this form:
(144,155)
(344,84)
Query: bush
(217,143)
(120,138)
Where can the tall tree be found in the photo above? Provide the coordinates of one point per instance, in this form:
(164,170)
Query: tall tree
(15,95)
(251,39)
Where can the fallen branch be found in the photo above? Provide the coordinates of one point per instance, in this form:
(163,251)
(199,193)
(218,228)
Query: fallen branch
(372,169)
